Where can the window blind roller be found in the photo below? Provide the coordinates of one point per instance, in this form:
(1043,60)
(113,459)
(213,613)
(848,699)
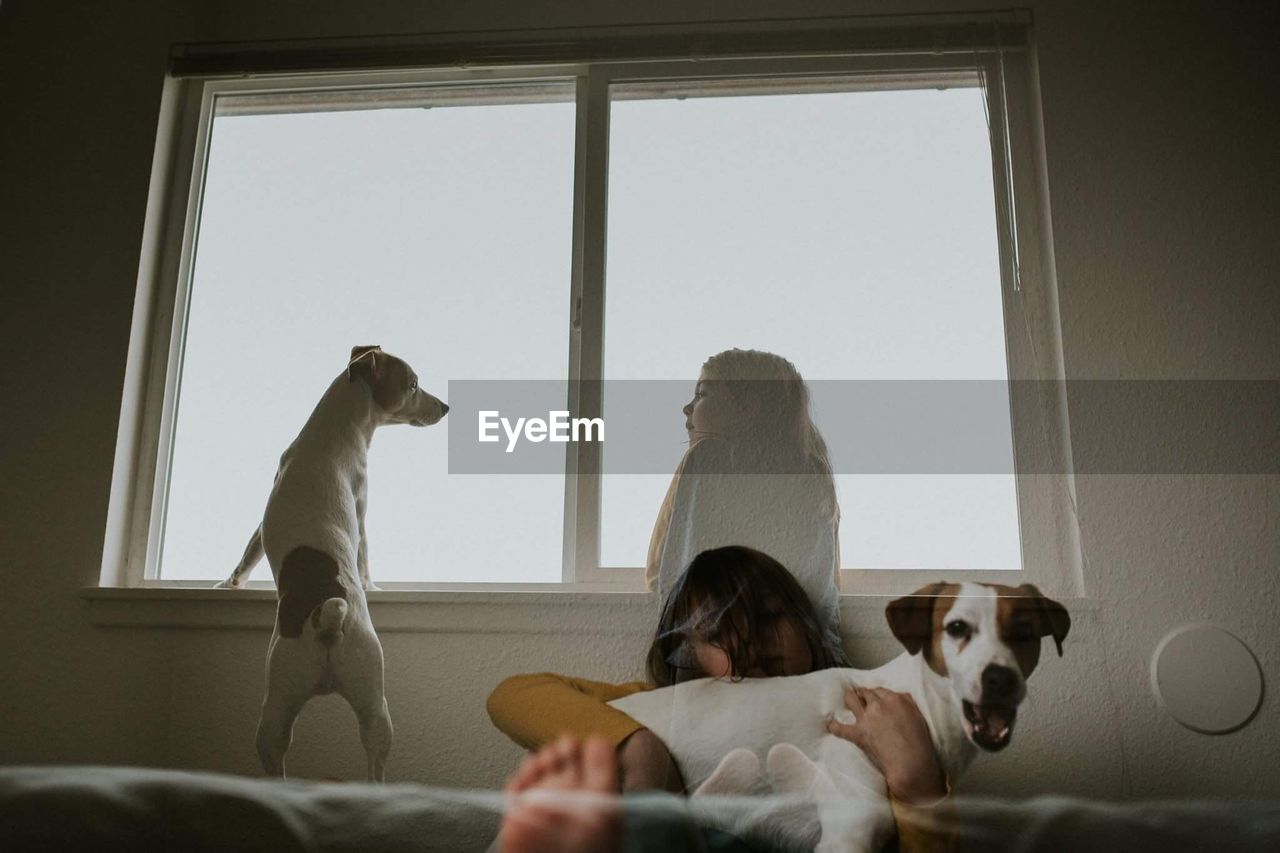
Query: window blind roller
(937,35)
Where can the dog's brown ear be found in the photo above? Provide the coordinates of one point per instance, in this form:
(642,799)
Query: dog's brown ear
(1052,618)
(364,359)
(911,617)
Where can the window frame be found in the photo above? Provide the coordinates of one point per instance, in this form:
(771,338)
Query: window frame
(1048,522)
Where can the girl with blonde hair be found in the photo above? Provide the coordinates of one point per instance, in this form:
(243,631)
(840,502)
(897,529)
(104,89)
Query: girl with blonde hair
(757,474)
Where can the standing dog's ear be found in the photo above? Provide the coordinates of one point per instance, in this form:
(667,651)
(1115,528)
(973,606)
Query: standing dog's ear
(1052,618)
(364,359)
(911,617)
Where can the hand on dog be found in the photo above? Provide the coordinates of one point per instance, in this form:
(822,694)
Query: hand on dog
(890,730)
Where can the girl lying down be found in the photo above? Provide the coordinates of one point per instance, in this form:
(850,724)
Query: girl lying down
(734,613)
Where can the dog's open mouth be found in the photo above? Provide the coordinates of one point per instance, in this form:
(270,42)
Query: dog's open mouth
(989,726)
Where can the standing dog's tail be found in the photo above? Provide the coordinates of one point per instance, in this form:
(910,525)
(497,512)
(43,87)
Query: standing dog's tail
(310,590)
(327,620)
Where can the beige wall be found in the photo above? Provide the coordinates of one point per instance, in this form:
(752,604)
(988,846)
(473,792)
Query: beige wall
(1160,138)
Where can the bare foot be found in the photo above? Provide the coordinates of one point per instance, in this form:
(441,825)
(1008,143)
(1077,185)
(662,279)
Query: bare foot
(562,799)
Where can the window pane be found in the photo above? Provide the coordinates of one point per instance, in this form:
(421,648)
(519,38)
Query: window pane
(441,234)
(852,232)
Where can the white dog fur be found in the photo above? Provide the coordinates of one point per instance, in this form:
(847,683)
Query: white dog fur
(313,536)
(970,648)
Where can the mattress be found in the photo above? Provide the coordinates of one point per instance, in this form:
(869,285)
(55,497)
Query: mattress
(97,808)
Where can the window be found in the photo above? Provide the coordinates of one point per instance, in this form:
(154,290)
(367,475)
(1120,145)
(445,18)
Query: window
(327,224)
(856,211)
(852,231)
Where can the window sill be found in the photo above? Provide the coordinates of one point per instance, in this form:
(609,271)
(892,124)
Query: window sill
(466,611)
(413,611)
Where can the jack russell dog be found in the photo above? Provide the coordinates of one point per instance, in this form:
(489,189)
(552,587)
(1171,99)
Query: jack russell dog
(969,650)
(313,536)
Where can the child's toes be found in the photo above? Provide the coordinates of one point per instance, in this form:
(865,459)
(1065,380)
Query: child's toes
(566,770)
(536,768)
(599,766)
(526,775)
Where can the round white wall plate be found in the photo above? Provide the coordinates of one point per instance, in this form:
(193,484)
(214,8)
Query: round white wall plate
(1206,678)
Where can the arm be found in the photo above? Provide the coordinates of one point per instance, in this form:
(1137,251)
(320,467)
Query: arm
(890,731)
(534,710)
(836,533)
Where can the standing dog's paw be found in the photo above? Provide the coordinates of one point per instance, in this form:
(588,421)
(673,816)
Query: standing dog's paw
(372,587)
(229,583)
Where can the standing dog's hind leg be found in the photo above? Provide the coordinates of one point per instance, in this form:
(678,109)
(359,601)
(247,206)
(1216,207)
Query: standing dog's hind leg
(252,556)
(289,687)
(362,687)
(275,732)
(375,733)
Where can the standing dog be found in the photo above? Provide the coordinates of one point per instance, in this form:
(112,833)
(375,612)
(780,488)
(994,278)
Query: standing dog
(313,536)
(970,648)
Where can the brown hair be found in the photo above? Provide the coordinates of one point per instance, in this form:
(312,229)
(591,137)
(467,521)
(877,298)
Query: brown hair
(731,598)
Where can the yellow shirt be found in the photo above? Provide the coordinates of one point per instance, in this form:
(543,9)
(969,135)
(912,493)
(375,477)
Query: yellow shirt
(534,710)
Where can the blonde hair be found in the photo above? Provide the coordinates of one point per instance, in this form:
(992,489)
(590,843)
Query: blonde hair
(780,426)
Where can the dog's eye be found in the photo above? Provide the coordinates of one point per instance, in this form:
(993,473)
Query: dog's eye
(956,628)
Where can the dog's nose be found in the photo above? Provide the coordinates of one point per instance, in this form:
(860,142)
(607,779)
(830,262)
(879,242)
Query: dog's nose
(998,682)
(444,409)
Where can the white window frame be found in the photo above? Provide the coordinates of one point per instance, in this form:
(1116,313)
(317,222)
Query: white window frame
(1046,502)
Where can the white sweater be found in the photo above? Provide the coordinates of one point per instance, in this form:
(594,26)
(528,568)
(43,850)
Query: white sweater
(714,501)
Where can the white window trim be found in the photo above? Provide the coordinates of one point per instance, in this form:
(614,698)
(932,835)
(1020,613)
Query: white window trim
(1047,518)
